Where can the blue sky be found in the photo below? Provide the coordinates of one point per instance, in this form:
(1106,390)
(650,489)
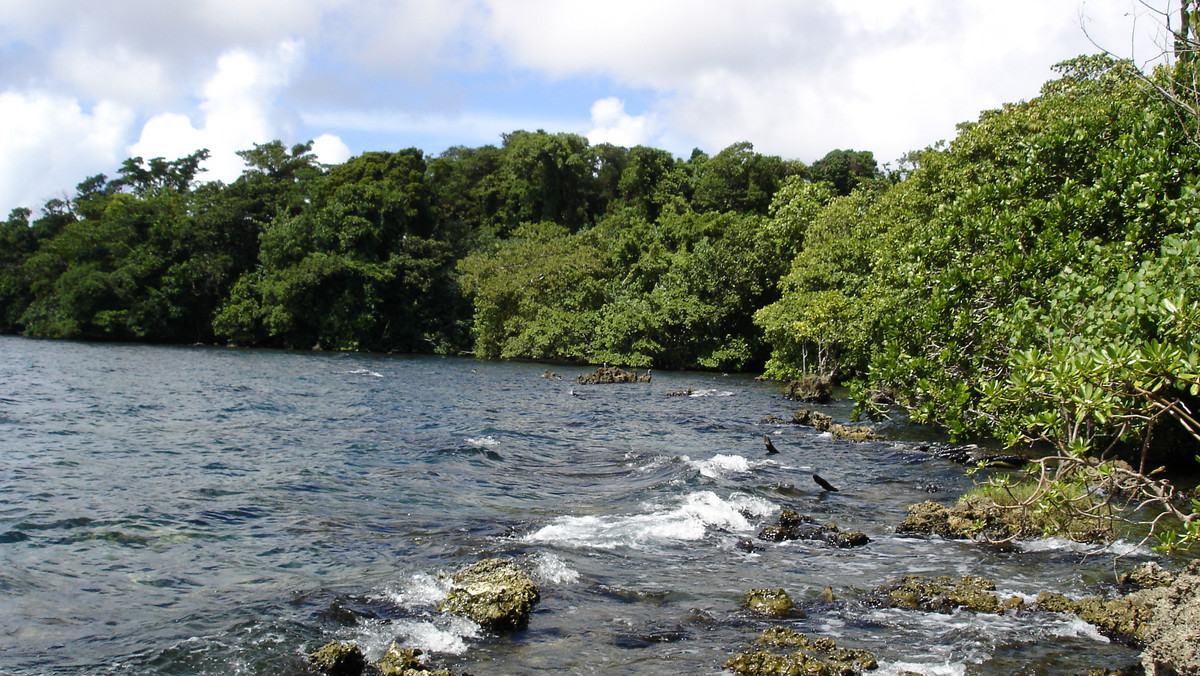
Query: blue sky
(85,85)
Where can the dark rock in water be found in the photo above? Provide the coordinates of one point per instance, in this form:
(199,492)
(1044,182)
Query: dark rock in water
(783,650)
(681,393)
(816,389)
(793,526)
(338,658)
(612,374)
(747,545)
(1172,635)
(826,595)
(775,602)
(494,593)
(847,540)
(399,661)
(944,594)
(772,420)
(771,450)
(823,483)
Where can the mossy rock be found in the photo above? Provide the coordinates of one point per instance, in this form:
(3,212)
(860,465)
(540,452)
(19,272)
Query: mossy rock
(775,602)
(816,389)
(1147,575)
(854,433)
(1124,616)
(495,593)
(338,658)
(1172,635)
(944,595)
(399,661)
(804,656)
(815,419)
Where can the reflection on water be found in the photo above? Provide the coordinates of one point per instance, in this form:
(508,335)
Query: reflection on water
(215,511)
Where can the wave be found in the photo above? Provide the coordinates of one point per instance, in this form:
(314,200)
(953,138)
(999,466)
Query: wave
(362,372)
(711,393)
(549,569)
(484,442)
(723,465)
(689,521)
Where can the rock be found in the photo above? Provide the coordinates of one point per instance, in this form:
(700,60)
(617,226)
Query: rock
(850,433)
(1147,575)
(612,374)
(786,651)
(826,595)
(338,658)
(399,661)
(932,518)
(847,540)
(1124,616)
(495,593)
(808,418)
(793,526)
(776,602)
(1172,634)
(944,594)
(816,389)
(681,393)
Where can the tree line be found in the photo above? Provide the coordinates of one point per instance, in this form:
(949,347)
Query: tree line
(1034,278)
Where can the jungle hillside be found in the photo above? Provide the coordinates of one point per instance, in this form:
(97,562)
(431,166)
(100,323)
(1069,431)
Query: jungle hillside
(1035,278)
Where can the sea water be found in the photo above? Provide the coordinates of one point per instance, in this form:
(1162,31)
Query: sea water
(196,510)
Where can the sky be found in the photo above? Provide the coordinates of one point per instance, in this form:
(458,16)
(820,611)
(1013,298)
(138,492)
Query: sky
(85,85)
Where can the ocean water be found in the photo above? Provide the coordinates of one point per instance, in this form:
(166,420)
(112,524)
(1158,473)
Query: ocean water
(169,510)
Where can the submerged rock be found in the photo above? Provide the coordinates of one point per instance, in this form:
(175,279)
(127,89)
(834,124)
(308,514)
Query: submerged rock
(769,602)
(1124,616)
(785,651)
(817,389)
(1172,634)
(495,593)
(338,658)
(612,374)
(944,594)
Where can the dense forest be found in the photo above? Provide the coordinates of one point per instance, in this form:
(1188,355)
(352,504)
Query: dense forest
(1037,277)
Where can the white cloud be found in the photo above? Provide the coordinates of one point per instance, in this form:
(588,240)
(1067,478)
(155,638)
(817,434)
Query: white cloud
(330,149)
(237,109)
(611,124)
(48,144)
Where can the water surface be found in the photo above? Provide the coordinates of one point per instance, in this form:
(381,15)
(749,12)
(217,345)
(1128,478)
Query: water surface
(218,511)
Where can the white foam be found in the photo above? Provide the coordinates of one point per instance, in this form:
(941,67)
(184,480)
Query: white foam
(1119,548)
(420,590)
(548,568)
(710,393)
(721,465)
(363,372)
(945,669)
(484,442)
(445,634)
(1077,628)
(689,521)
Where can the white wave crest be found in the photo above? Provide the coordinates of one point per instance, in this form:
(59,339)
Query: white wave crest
(485,442)
(1119,548)
(548,568)
(711,393)
(1079,629)
(689,521)
(363,372)
(422,589)
(446,634)
(724,465)
(896,668)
